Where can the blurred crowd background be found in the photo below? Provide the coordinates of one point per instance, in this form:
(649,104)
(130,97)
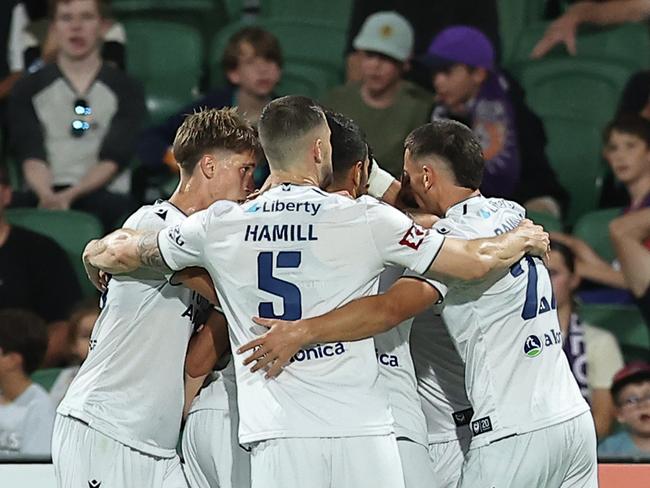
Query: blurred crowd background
(556,91)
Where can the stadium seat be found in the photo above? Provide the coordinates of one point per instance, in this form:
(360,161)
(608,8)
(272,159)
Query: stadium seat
(515,16)
(334,12)
(299,79)
(143,6)
(70,229)
(593,228)
(548,221)
(625,322)
(627,45)
(46,377)
(573,150)
(167,58)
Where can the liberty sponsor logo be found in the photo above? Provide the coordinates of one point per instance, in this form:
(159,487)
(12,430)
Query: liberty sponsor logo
(413,237)
(319,351)
(481,426)
(387,359)
(532,346)
(279,206)
(280,232)
(485,213)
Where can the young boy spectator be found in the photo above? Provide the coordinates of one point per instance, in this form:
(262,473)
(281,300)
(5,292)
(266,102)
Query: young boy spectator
(26,411)
(593,353)
(74,123)
(471,89)
(28,261)
(383,104)
(252,62)
(627,150)
(631,392)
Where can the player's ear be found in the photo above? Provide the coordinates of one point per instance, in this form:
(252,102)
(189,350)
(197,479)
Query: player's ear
(357,171)
(318,150)
(428,177)
(208,165)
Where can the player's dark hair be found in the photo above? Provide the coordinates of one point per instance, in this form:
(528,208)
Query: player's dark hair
(629,123)
(348,142)
(455,144)
(567,254)
(25,333)
(284,121)
(212,130)
(264,44)
(81,310)
(102,6)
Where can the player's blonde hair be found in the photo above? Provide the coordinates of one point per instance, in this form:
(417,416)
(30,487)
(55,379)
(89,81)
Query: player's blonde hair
(211,130)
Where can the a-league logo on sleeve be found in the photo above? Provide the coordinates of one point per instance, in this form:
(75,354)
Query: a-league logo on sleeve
(414,237)
(175,235)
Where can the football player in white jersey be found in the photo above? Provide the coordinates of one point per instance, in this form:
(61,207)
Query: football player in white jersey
(119,421)
(530,424)
(296,250)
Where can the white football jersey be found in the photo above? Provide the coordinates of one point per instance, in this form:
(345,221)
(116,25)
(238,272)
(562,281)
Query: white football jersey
(130,387)
(295,252)
(397,374)
(441,379)
(506,330)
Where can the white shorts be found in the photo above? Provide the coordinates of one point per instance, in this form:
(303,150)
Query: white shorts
(560,456)
(212,454)
(85,457)
(324,462)
(416,465)
(447,459)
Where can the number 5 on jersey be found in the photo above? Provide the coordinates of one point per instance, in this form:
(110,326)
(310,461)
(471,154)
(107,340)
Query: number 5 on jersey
(290,293)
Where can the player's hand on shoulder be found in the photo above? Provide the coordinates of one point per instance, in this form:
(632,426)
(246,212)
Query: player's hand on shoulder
(274,349)
(538,240)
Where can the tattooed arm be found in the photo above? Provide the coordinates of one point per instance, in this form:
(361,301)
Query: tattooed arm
(123,251)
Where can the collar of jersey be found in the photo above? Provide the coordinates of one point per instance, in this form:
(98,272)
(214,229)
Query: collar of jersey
(458,206)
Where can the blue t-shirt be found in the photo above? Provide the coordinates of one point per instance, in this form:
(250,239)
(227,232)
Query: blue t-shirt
(621,445)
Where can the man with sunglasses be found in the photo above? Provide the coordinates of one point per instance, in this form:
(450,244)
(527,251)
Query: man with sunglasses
(74,123)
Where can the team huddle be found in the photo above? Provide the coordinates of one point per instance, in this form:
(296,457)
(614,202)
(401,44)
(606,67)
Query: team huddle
(261,315)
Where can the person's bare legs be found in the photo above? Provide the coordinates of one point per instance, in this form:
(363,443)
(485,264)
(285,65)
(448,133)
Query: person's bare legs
(628,234)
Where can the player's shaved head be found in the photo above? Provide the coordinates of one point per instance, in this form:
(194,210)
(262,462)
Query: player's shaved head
(284,124)
(348,142)
(213,130)
(453,143)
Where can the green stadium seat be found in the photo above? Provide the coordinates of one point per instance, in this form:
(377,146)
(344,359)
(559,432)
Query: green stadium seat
(334,12)
(46,377)
(593,228)
(167,58)
(298,79)
(514,18)
(144,6)
(69,228)
(548,221)
(573,150)
(625,322)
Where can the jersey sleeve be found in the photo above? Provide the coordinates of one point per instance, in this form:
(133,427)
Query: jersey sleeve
(181,245)
(440,287)
(400,241)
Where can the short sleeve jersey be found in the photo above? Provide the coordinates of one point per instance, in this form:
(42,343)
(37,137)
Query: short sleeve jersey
(506,330)
(297,252)
(131,386)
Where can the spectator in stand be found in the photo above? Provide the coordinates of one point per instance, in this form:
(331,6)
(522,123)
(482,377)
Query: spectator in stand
(252,63)
(383,104)
(75,122)
(627,150)
(471,89)
(82,321)
(28,263)
(630,235)
(13,19)
(563,30)
(631,392)
(38,44)
(26,411)
(593,353)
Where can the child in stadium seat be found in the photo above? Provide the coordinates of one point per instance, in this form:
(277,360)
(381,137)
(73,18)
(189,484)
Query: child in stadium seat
(252,62)
(631,392)
(26,411)
(386,106)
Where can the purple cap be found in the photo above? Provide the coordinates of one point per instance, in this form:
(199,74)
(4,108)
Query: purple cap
(460,44)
